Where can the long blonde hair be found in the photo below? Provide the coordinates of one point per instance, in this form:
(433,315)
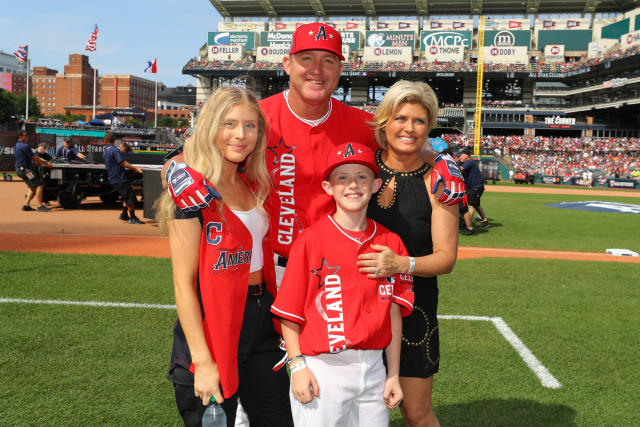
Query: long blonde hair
(202,154)
(403,91)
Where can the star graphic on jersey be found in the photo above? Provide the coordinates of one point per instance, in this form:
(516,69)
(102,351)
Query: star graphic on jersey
(323,271)
(279,150)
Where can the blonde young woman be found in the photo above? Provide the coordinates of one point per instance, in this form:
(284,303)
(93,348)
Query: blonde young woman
(406,205)
(225,344)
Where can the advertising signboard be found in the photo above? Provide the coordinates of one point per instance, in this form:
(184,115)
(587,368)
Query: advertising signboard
(390,39)
(445,38)
(222,38)
(225,53)
(506,55)
(351,39)
(385,54)
(444,54)
(554,53)
(506,38)
(280,39)
(271,54)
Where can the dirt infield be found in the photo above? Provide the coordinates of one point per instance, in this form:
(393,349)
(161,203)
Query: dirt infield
(92,229)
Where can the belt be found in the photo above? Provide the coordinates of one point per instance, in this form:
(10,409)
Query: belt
(280,261)
(257,290)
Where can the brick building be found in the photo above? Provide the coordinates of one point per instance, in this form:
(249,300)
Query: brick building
(75,86)
(14,82)
(126,91)
(43,88)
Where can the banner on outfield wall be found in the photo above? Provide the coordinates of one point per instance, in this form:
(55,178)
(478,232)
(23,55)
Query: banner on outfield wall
(443,54)
(390,39)
(271,54)
(352,39)
(562,24)
(508,24)
(448,25)
(506,38)
(599,47)
(286,26)
(242,26)
(407,25)
(225,53)
(554,53)
(358,26)
(629,40)
(506,55)
(281,39)
(386,54)
(445,38)
(245,39)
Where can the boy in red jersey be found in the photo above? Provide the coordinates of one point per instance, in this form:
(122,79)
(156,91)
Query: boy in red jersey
(335,320)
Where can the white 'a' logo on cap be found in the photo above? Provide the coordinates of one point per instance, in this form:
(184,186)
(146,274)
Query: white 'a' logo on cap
(321,33)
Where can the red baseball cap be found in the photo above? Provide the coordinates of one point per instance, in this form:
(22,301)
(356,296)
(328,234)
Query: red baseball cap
(350,152)
(317,36)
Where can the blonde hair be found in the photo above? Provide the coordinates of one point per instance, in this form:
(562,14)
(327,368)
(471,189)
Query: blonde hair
(202,154)
(401,92)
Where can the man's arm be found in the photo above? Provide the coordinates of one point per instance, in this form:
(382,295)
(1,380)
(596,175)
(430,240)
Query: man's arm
(40,161)
(128,165)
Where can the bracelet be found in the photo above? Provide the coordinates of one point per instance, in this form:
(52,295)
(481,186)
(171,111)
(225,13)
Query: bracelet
(412,265)
(293,359)
(298,366)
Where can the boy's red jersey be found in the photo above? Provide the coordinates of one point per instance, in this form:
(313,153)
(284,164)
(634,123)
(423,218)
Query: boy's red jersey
(338,307)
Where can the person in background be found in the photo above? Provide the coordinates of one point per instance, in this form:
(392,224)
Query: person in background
(69,151)
(26,169)
(475,187)
(117,175)
(42,151)
(407,204)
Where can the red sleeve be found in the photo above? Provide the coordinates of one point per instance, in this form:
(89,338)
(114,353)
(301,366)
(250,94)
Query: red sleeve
(290,301)
(403,288)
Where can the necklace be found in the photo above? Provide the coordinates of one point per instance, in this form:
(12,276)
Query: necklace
(392,174)
(360,237)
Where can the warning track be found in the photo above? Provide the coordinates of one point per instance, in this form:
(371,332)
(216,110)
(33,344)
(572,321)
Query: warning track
(95,230)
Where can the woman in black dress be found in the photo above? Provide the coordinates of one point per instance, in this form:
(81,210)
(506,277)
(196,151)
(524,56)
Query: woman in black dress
(428,229)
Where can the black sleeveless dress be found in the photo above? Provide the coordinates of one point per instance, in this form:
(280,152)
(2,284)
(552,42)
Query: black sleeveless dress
(409,216)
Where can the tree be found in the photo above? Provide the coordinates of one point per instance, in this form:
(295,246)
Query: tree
(166,122)
(7,105)
(34,106)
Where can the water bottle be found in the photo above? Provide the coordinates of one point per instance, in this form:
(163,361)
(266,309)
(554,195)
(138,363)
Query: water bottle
(214,415)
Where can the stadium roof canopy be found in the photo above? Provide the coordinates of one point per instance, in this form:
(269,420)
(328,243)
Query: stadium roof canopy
(349,8)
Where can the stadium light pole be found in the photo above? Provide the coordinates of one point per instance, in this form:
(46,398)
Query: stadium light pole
(477,129)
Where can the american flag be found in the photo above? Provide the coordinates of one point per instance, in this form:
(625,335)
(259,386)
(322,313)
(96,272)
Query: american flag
(91,44)
(22,53)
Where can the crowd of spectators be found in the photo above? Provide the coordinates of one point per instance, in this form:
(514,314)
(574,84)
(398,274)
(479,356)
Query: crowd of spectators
(563,156)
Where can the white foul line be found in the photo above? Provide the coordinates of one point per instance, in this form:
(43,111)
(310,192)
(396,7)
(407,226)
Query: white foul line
(545,377)
(87,303)
(543,374)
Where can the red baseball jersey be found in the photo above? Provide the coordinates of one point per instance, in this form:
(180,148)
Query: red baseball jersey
(338,307)
(296,152)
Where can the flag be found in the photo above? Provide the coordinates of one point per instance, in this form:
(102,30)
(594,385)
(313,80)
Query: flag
(152,66)
(93,38)
(22,53)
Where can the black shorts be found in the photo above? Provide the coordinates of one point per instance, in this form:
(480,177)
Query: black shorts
(474,196)
(420,351)
(31,177)
(127,193)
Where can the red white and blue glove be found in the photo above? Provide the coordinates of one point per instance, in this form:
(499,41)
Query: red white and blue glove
(190,190)
(446,170)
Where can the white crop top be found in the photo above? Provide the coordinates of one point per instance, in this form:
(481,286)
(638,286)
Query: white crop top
(256,223)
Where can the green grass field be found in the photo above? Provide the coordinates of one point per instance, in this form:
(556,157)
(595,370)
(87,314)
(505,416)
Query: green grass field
(93,365)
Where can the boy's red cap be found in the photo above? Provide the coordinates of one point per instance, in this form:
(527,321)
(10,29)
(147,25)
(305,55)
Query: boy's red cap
(317,36)
(351,152)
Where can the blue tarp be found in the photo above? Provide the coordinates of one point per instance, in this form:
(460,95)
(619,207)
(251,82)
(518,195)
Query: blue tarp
(598,206)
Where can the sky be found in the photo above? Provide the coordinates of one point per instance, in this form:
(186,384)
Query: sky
(130,33)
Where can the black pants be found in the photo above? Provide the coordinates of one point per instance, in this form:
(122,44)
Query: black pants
(264,394)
